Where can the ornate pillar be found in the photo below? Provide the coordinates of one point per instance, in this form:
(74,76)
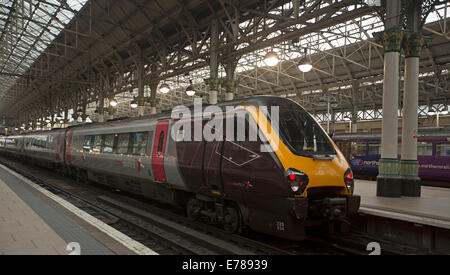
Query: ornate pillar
(230,88)
(388,181)
(413,43)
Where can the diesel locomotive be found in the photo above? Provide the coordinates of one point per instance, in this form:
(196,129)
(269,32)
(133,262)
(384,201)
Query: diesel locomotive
(290,176)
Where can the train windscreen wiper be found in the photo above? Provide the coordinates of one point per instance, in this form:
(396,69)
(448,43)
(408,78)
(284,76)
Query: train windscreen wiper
(323,157)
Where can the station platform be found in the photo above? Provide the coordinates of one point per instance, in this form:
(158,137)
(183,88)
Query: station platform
(34,221)
(432,208)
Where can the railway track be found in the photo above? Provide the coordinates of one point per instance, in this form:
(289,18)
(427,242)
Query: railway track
(168,232)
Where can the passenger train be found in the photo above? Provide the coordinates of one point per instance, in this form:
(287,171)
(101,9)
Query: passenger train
(302,180)
(362,150)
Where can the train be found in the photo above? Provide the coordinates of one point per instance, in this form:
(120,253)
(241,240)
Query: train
(362,151)
(291,176)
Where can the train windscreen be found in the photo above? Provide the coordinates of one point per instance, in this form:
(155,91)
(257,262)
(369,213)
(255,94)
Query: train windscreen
(301,132)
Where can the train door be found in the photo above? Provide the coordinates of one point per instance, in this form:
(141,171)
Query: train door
(212,160)
(239,169)
(58,148)
(159,148)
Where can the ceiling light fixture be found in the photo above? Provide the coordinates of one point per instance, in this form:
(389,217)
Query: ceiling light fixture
(271,59)
(305,64)
(164,88)
(190,91)
(113,102)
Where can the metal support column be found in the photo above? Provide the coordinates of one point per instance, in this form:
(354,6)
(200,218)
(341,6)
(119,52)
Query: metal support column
(101,106)
(230,83)
(84,107)
(153,90)
(140,76)
(389,183)
(75,113)
(108,92)
(213,81)
(66,118)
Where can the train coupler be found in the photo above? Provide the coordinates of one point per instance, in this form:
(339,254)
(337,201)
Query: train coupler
(337,209)
(329,208)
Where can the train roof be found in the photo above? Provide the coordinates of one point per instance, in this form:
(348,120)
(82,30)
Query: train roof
(423,132)
(261,100)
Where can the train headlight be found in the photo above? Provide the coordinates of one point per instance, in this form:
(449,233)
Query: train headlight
(297,180)
(349,181)
(295,186)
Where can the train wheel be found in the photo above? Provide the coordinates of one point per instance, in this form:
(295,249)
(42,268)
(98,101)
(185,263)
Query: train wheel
(194,206)
(232,220)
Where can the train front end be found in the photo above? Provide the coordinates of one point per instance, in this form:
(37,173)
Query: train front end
(318,181)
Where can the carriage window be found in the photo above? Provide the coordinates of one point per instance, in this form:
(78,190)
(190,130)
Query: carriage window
(374,149)
(140,143)
(358,148)
(443,149)
(11,141)
(160,143)
(87,144)
(425,149)
(108,144)
(39,142)
(122,143)
(96,144)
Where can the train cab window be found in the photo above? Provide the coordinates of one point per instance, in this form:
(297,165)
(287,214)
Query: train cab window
(373,149)
(160,143)
(108,144)
(139,143)
(443,149)
(359,148)
(122,143)
(425,149)
(301,132)
(96,144)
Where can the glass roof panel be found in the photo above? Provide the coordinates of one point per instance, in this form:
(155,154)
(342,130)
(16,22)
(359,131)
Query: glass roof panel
(28,27)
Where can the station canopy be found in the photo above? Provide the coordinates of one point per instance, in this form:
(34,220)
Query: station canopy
(56,55)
